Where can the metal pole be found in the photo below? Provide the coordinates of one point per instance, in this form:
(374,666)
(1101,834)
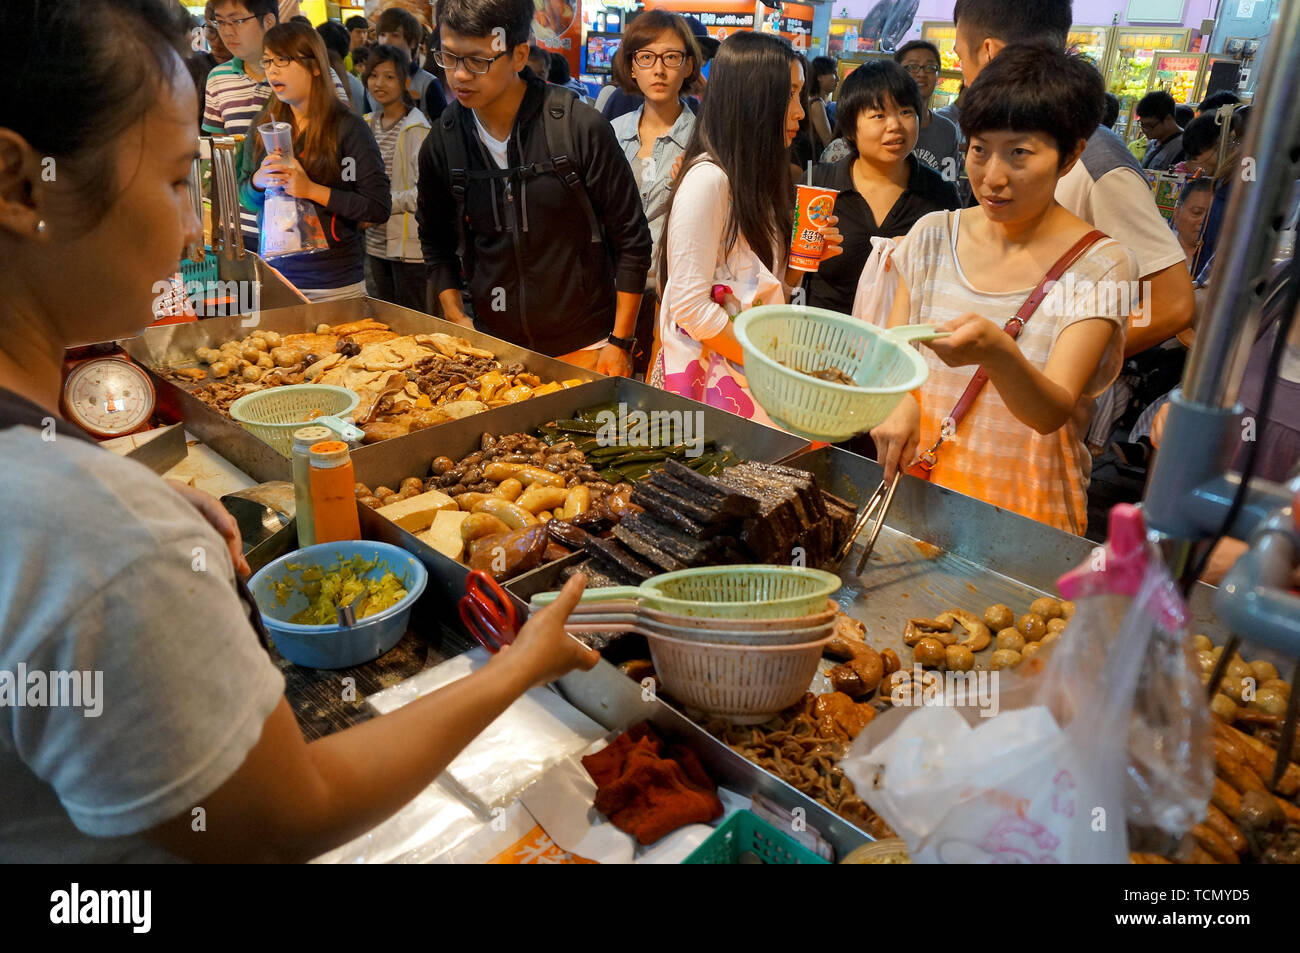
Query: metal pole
(1252,225)
(1202,434)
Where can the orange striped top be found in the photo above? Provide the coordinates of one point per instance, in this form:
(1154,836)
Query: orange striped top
(993,456)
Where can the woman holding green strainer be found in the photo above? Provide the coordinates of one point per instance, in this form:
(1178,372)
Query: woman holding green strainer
(1017,443)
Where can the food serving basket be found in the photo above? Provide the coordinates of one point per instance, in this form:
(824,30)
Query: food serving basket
(785,344)
(274,414)
(725,592)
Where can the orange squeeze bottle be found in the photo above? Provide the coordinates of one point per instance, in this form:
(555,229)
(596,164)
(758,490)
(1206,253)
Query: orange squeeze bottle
(333,492)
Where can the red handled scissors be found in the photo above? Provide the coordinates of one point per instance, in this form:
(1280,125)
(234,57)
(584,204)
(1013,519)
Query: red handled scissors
(487,612)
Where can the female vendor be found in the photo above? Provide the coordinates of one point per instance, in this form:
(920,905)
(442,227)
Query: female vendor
(96,573)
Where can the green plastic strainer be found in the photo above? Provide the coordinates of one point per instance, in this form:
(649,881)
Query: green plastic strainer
(777,339)
(272,415)
(725,592)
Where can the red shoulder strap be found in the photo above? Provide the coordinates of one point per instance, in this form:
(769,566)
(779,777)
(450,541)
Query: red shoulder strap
(1016,324)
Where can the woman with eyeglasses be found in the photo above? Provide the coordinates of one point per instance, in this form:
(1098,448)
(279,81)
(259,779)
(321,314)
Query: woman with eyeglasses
(938,141)
(659,60)
(727,228)
(337,164)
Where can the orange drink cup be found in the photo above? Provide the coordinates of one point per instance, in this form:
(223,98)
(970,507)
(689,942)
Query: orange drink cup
(813,209)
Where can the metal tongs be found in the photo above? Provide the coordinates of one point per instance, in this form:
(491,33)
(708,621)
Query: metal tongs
(880,501)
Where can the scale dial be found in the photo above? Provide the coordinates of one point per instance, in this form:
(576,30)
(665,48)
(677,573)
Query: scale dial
(108,397)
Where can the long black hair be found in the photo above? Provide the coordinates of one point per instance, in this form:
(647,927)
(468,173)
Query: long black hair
(741,128)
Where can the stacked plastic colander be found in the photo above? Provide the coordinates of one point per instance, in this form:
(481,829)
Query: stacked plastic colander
(738,642)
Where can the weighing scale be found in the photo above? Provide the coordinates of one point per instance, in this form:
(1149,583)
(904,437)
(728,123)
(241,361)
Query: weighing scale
(107,394)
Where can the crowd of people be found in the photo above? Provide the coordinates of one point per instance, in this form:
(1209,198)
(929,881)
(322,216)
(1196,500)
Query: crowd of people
(624,244)
(624,234)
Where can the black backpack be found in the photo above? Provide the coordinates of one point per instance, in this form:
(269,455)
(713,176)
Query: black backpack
(557,125)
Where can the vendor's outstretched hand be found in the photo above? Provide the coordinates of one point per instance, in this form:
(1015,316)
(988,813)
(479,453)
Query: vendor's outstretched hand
(543,648)
(218,518)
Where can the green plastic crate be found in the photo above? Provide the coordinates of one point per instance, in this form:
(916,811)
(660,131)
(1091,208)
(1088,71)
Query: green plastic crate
(743,832)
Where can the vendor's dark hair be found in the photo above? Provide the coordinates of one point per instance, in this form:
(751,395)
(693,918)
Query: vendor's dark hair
(356,23)
(911,45)
(1036,88)
(640,33)
(1015,21)
(480,17)
(873,86)
(383,53)
(1156,104)
(1183,115)
(84,71)
(741,128)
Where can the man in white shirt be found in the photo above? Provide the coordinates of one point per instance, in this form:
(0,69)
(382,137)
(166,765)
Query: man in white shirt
(1106,186)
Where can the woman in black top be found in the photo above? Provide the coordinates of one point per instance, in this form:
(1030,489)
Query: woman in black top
(883,188)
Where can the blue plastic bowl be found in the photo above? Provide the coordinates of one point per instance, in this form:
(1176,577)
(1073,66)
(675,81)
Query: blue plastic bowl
(333,646)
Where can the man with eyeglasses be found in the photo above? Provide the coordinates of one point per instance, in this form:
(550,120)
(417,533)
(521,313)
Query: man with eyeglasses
(526,190)
(237,90)
(1155,112)
(938,142)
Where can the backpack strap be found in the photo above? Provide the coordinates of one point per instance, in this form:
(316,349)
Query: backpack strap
(458,164)
(557,124)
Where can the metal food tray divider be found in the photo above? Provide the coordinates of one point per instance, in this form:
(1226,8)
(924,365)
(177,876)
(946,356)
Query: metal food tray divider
(174,346)
(389,462)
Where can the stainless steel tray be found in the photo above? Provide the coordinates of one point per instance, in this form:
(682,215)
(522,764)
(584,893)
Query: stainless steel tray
(174,346)
(940,550)
(389,462)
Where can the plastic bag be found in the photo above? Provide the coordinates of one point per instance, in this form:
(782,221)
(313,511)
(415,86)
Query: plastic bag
(1106,725)
(877,284)
(290,226)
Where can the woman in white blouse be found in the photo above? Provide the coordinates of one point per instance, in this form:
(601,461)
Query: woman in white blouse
(729,221)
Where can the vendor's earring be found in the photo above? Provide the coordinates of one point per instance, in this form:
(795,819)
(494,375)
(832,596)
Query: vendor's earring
(40,227)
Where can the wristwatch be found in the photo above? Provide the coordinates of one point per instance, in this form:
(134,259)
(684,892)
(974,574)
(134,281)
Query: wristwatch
(623,344)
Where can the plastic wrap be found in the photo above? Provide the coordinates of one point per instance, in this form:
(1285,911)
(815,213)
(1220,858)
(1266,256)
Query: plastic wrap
(537,731)
(1049,778)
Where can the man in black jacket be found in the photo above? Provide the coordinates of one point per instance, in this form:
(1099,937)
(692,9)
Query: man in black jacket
(555,247)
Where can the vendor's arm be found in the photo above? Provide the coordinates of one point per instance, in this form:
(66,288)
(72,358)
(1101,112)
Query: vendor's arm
(1043,400)
(292,801)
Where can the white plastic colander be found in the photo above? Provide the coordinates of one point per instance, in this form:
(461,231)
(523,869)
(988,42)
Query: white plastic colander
(272,415)
(780,341)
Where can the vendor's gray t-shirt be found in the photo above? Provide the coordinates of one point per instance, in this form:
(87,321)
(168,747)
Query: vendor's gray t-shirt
(937,142)
(106,569)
